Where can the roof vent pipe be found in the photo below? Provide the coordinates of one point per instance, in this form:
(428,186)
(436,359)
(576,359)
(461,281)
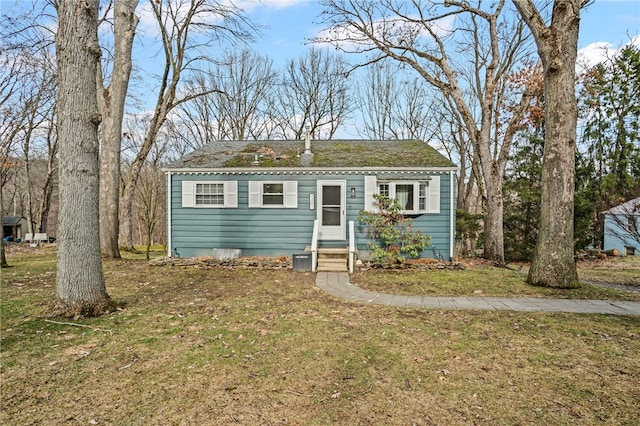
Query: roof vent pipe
(307,140)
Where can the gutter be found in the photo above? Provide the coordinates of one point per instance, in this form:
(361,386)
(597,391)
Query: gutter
(452,218)
(306,170)
(168,214)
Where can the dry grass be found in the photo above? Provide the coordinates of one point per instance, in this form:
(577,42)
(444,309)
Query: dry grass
(257,347)
(481,278)
(621,270)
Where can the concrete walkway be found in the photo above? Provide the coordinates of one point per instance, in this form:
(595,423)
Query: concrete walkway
(337,284)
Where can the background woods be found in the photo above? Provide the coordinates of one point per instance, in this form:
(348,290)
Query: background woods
(465,78)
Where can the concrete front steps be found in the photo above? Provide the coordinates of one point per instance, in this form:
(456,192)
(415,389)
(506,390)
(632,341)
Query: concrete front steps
(333,260)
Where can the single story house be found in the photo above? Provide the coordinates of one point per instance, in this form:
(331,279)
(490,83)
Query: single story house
(622,228)
(275,198)
(14,227)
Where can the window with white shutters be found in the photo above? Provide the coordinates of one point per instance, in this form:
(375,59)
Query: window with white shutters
(210,194)
(415,197)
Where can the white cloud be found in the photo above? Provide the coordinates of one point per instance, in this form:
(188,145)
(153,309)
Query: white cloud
(148,24)
(599,52)
(397,31)
(595,53)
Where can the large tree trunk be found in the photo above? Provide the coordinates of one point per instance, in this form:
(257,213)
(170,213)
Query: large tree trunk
(3,259)
(553,263)
(45,203)
(112,102)
(80,286)
(493,218)
(127,216)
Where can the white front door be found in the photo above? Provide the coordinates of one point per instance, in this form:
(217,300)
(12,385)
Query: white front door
(332,212)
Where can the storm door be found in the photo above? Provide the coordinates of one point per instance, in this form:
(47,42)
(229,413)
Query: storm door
(332,209)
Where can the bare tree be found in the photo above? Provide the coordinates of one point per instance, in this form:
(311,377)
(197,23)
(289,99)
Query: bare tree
(150,194)
(12,117)
(3,257)
(6,164)
(187,28)
(313,95)
(375,94)
(27,131)
(80,285)
(9,126)
(237,110)
(50,174)
(395,105)
(245,81)
(38,137)
(450,133)
(421,35)
(111,102)
(198,122)
(553,263)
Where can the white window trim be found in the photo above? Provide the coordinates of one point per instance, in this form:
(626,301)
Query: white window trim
(290,194)
(230,193)
(372,186)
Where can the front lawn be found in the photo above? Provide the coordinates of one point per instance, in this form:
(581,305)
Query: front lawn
(214,346)
(483,279)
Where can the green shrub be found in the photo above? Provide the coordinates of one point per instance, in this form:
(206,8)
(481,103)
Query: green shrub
(394,240)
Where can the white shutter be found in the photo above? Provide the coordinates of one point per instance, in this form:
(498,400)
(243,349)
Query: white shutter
(254,194)
(231,194)
(188,193)
(434,195)
(370,189)
(291,194)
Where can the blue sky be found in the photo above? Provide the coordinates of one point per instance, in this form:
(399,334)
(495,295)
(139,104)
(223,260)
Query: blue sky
(605,26)
(291,22)
(611,21)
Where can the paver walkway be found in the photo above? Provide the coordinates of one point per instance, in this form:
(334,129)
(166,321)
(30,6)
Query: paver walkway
(337,284)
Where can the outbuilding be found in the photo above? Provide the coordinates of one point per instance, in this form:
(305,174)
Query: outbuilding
(622,228)
(14,227)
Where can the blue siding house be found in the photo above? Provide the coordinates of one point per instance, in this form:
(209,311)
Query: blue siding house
(622,228)
(274,198)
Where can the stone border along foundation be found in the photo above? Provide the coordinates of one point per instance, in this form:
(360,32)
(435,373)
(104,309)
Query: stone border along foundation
(284,262)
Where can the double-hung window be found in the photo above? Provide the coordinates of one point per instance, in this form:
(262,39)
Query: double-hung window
(210,194)
(273,194)
(283,194)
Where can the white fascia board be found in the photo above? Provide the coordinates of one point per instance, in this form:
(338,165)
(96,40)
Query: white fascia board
(308,170)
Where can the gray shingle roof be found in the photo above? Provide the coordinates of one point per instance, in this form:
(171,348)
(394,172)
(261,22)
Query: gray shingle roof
(631,207)
(11,220)
(326,154)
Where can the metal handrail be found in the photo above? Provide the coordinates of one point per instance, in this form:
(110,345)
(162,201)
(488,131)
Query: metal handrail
(314,246)
(352,246)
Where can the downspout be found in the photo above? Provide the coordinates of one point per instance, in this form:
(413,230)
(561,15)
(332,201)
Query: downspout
(168,214)
(452,219)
